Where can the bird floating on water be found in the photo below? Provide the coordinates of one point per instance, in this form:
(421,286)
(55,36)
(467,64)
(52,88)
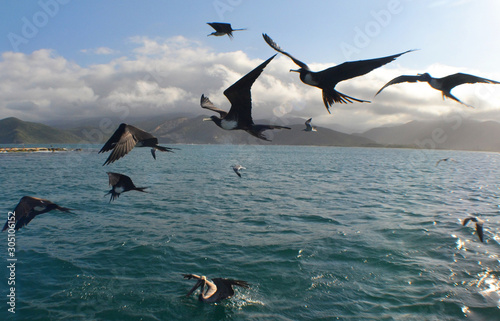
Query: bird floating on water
(479,226)
(218,289)
(26,210)
(222,29)
(127,137)
(309,127)
(327,79)
(445,84)
(445,160)
(121,183)
(240,114)
(237,169)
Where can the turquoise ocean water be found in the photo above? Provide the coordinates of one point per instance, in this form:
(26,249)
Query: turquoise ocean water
(320,233)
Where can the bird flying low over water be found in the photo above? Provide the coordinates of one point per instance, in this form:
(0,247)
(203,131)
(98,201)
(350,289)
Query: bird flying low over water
(309,127)
(237,169)
(29,207)
(218,289)
(445,84)
(240,114)
(327,79)
(222,29)
(479,226)
(127,137)
(445,160)
(121,183)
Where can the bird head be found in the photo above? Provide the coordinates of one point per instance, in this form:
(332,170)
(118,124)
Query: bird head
(215,119)
(425,76)
(211,118)
(300,70)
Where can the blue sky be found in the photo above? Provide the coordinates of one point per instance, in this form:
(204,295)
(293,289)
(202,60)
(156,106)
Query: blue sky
(63,58)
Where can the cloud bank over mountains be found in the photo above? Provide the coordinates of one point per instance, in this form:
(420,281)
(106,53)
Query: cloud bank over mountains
(165,76)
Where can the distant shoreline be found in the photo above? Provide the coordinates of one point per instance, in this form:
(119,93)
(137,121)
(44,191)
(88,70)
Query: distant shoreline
(35,149)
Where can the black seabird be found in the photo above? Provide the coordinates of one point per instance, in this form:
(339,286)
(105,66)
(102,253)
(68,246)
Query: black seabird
(237,169)
(327,79)
(240,114)
(309,127)
(121,183)
(222,29)
(127,137)
(29,207)
(445,84)
(218,289)
(445,160)
(479,226)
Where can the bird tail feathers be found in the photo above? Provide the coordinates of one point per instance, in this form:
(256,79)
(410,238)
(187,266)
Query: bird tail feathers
(258,130)
(332,96)
(164,149)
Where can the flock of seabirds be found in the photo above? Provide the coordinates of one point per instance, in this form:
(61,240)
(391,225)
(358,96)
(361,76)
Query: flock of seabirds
(239,117)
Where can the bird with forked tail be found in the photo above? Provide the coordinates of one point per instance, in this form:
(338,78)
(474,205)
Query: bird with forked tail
(27,209)
(125,138)
(120,184)
(240,113)
(222,29)
(445,84)
(327,79)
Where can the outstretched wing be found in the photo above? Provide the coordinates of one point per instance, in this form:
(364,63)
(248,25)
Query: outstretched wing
(221,26)
(275,46)
(400,79)
(110,144)
(239,96)
(460,78)
(207,104)
(125,143)
(114,178)
(352,69)
(308,123)
(21,211)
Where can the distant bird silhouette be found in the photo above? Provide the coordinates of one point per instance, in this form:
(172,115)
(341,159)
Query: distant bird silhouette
(218,289)
(240,114)
(309,127)
(127,137)
(222,29)
(327,79)
(445,84)
(479,226)
(121,183)
(237,169)
(445,160)
(29,207)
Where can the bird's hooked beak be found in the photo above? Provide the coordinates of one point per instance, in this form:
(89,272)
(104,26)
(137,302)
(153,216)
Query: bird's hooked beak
(207,119)
(198,284)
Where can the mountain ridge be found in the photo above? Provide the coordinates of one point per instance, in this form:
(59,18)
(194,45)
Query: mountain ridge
(453,134)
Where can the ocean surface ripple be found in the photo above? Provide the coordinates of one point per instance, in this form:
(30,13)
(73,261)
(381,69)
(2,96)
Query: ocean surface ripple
(320,233)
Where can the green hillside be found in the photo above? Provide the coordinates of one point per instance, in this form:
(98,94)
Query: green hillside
(16,131)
